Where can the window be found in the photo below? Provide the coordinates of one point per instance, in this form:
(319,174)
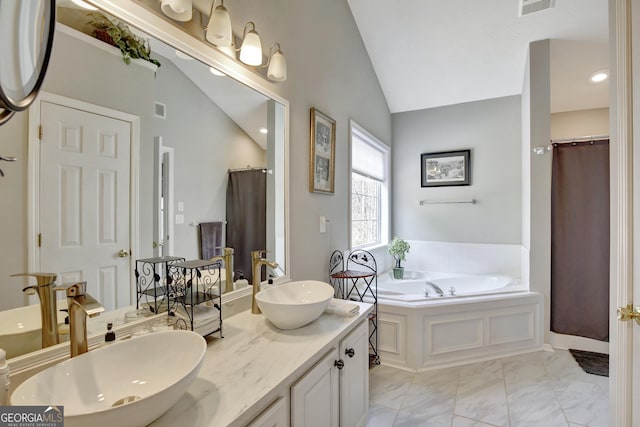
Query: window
(369,189)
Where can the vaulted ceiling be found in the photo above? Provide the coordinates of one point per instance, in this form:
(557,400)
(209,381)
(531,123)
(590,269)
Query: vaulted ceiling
(429,53)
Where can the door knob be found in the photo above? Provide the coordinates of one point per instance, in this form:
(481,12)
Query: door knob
(628,313)
(350,352)
(339,363)
(123,253)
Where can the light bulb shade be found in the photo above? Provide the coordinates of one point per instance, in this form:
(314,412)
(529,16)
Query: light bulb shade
(219,28)
(180,10)
(277,70)
(251,49)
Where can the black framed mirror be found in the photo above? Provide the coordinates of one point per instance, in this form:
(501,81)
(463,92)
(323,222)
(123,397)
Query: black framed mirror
(26,38)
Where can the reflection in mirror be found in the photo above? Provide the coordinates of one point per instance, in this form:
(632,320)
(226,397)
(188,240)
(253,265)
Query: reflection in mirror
(165,143)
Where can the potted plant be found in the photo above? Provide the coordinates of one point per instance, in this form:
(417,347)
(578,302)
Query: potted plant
(398,248)
(115,33)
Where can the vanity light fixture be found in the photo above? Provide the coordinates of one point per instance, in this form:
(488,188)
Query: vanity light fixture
(251,47)
(179,10)
(218,29)
(277,66)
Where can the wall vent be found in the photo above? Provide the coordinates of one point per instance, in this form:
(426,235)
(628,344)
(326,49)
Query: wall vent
(160,110)
(532,6)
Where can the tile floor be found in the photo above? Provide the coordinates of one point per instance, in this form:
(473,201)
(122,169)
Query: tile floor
(542,389)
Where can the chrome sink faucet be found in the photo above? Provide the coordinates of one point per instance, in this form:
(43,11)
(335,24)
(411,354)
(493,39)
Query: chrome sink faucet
(48,308)
(81,305)
(256,268)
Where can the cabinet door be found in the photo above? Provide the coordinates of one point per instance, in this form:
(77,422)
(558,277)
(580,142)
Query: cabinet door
(354,377)
(276,415)
(314,397)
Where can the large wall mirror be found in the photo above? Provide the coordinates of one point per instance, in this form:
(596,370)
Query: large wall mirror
(180,135)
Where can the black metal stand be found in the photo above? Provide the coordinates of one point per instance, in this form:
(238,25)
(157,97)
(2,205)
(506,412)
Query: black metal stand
(149,282)
(358,281)
(191,283)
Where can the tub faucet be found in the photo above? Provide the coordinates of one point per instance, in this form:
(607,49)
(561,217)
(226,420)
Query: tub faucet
(48,309)
(435,288)
(256,268)
(81,305)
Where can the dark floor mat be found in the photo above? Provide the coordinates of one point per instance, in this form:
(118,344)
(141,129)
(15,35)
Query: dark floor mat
(592,363)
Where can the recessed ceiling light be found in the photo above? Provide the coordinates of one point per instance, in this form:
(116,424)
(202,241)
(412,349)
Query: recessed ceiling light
(216,72)
(264,130)
(599,76)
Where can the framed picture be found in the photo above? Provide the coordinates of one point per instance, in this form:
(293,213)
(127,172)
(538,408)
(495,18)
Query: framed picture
(446,168)
(322,153)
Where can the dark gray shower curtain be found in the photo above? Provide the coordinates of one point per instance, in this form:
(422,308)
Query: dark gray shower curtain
(246,216)
(580,239)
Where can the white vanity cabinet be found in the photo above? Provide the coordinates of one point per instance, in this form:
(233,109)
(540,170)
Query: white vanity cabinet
(354,377)
(276,415)
(314,397)
(261,376)
(335,392)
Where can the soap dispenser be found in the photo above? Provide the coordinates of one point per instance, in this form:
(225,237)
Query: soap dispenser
(241,282)
(110,336)
(63,328)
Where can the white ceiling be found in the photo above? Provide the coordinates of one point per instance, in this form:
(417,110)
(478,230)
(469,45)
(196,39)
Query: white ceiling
(429,53)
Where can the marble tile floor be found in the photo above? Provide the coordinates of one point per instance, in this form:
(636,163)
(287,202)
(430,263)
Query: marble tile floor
(541,389)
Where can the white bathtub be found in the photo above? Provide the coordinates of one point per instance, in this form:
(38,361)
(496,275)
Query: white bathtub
(415,287)
(490,316)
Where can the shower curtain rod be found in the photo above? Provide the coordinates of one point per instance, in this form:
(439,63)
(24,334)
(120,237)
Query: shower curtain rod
(540,150)
(579,139)
(249,168)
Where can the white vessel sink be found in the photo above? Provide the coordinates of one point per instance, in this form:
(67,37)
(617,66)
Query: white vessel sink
(21,328)
(129,383)
(294,304)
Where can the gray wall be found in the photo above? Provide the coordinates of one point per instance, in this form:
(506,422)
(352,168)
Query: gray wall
(329,69)
(206,144)
(492,130)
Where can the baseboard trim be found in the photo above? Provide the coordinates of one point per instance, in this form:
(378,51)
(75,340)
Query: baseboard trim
(565,342)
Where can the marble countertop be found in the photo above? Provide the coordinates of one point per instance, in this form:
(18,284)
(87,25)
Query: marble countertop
(243,372)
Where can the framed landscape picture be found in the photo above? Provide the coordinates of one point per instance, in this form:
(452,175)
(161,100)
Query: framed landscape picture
(446,168)
(322,153)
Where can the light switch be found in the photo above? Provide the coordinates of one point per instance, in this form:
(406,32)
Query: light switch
(179,219)
(180,206)
(323,224)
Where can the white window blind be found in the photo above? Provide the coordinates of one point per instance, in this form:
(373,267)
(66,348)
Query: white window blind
(366,159)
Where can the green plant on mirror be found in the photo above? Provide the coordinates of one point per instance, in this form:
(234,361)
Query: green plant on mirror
(398,248)
(115,33)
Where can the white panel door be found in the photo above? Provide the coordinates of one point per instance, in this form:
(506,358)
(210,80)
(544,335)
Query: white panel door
(314,398)
(84,201)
